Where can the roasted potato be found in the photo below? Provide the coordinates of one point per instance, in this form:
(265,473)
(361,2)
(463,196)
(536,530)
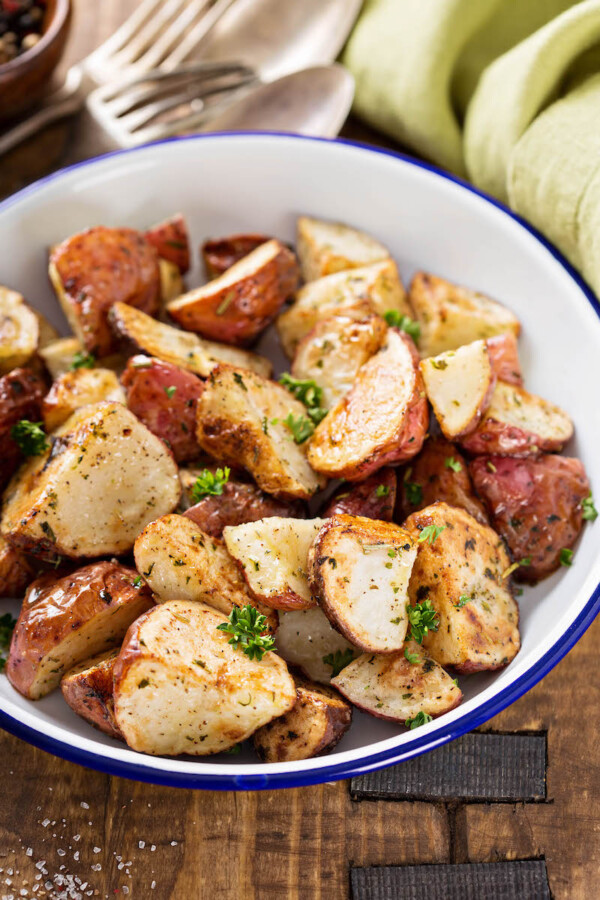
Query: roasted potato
(374,498)
(181,687)
(47,332)
(171,242)
(358,294)
(306,638)
(382,420)
(333,352)
(240,502)
(165,397)
(92,270)
(327,247)
(19,331)
(535,504)
(272,554)
(60,356)
(517,423)
(104,478)
(463,569)
(88,689)
(451,316)
(241,422)
(79,388)
(67,619)
(397,688)
(179,561)
(359,569)
(459,385)
(238,305)
(503,353)
(439,472)
(16,571)
(317,722)
(181,348)
(220,254)
(171,285)
(21,393)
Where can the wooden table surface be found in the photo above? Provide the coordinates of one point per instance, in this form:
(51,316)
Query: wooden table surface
(62,826)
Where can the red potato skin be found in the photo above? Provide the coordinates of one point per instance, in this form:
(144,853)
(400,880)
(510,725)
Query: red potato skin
(21,393)
(535,504)
(492,437)
(239,503)
(15,571)
(171,418)
(91,696)
(438,481)
(171,242)
(101,266)
(360,499)
(503,355)
(219,254)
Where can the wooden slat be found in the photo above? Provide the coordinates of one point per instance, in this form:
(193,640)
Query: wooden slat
(514,880)
(499,767)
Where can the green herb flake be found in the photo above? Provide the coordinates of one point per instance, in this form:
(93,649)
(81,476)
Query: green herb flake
(309,393)
(462,601)
(338,660)
(7,624)
(382,490)
(395,319)
(169,391)
(414,493)
(413,658)
(82,360)
(30,437)
(235,750)
(209,484)
(589,511)
(431,533)
(451,463)
(421,718)
(239,380)
(246,627)
(566,557)
(440,364)
(225,303)
(300,426)
(422,618)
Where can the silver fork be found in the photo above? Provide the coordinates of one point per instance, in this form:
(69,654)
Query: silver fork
(159,33)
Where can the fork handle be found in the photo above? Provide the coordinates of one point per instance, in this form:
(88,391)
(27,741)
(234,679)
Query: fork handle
(44,116)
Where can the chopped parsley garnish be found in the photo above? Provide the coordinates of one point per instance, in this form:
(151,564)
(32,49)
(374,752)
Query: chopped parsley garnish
(440,364)
(300,426)
(590,513)
(526,561)
(413,658)
(566,557)
(414,492)
(137,581)
(339,660)
(453,464)
(239,380)
(246,627)
(422,618)
(382,490)
(169,391)
(421,718)
(7,624)
(462,601)
(309,393)
(431,533)
(30,437)
(233,751)
(209,484)
(225,303)
(82,360)
(396,320)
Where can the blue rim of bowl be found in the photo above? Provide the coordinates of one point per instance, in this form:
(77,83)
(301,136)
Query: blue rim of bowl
(371,761)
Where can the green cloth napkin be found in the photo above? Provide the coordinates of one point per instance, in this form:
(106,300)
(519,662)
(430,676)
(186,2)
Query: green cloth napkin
(505,92)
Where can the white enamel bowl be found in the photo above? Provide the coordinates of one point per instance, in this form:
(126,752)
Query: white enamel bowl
(227,183)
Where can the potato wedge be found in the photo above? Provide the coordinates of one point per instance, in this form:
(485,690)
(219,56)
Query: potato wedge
(462,569)
(241,422)
(327,247)
(374,498)
(306,638)
(16,571)
(317,722)
(450,315)
(439,472)
(517,423)
(220,254)
(66,619)
(181,348)
(58,355)
(359,570)
(535,504)
(273,554)
(21,393)
(333,352)
(171,242)
(105,477)
(181,687)
(238,305)
(391,687)
(79,388)
(459,385)
(239,503)
(171,285)
(179,561)
(96,268)
(88,689)
(359,293)
(503,353)
(382,420)
(19,331)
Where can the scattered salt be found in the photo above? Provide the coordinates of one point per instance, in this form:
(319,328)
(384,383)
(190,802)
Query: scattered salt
(97,849)
(84,805)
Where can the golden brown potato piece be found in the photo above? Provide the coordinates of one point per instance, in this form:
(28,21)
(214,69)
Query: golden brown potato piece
(103,479)
(463,569)
(79,388)
(382,420)
(400,686)
(239,503)
(171,242)
(64,620)
(181,687)
(48,333)
(374,498)
(92,270)
(21,393)
(327,247)
(306,638)
(451,316)
(19,331)
(317,722)
(359,569)
(15,571)
(238,305)
(242,423)
(88,689)
(180,348)
(61,355)
(503,354)
(333,352)
(220,254)
(439,472)
(171,285)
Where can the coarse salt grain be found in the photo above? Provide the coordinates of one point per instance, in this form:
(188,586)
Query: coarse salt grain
(97,849)
(141,844)
(29,851)
(84,805)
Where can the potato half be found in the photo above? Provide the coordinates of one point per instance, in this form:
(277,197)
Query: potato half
(21,393)
(88,689)
(220,254)
(15,571)
(326,247)
(19,330)
(306,638)
(79,388)
(374,498)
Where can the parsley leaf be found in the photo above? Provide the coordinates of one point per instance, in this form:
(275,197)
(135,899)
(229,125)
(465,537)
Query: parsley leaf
(526,561)
(30,437)
(7,624)
(382,490)
(413,658)
(209,484)
(453,464)
(414,493)
(169,391)
(246,627)
(82,360)
(396,320)
(590,513)
(431,533)
(462,601)
(300,426)
(422,618)
(309,393)
(339,660)
(566,557)
(421,718)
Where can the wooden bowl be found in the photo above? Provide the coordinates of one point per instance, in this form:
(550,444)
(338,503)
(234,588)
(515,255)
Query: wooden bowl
(24,79)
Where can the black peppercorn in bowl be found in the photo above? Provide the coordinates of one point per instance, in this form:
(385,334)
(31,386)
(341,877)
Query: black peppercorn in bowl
(33,34)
